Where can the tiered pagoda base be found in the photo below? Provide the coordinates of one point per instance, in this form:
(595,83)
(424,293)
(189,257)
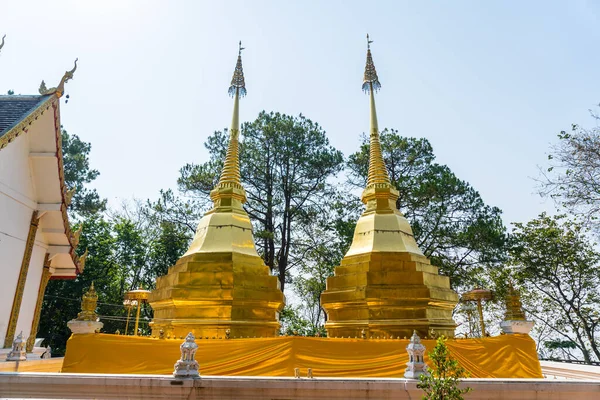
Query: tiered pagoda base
(388,294)
(209,294)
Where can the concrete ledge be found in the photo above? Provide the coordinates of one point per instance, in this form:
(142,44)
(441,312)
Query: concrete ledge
(71,386)
(562,370)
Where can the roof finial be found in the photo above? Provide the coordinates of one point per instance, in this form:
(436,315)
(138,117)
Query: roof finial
(60,89)
(230,174)
(237,82)
(2,44)
(370,80)
(378,174)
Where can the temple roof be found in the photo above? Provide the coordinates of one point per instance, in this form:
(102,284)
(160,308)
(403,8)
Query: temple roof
(38,117)
(13,109)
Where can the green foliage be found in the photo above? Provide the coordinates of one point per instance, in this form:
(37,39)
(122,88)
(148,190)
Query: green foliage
(556,264)
(285,164)
(451,223)
(127,249)
(78,174)
(445,376)
(293,324)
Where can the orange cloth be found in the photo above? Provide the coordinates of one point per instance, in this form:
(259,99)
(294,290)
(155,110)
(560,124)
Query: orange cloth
(507,356)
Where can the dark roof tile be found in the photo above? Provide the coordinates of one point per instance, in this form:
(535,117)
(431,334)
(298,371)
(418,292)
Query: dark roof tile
(14,108)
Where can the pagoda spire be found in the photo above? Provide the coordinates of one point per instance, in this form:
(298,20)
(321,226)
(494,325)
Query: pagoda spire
(378,175)
(230,175)
(221,285)
(384,284)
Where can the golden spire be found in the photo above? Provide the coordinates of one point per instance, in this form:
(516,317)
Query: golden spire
(230,175)
(378,175)
(2,44)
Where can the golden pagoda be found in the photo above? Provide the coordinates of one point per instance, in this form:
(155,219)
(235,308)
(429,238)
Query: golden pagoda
(385,285)
(221,286)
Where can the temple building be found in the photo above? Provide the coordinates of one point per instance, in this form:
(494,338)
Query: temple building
(385,286)
(220,287)
(36,239)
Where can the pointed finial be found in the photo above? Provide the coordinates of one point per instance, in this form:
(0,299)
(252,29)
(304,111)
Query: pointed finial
(238,85)
(2,44)
(370,80)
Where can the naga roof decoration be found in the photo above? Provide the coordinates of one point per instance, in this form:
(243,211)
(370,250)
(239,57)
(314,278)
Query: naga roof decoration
(60,89)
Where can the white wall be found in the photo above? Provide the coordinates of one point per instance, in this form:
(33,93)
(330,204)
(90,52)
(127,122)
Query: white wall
(34,276)
(17,203)
(16,208)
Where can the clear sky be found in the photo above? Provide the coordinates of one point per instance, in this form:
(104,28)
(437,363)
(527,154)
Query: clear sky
(490,84)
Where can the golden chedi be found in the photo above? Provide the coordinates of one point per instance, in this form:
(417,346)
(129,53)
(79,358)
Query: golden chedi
(221,284)
(385,286)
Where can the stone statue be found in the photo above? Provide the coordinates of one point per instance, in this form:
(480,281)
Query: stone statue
(18,352)
(187,366)
(415,367)
(47,353)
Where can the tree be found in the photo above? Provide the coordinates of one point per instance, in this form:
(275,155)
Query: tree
(285,166)
(445,376)
(554,261)
(127,249)
(322,242)
(573,176)
(451,223)
(293,324)
(78,174)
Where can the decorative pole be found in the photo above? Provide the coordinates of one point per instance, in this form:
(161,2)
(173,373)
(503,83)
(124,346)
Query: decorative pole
(136,298)
(127,303)
(477,295)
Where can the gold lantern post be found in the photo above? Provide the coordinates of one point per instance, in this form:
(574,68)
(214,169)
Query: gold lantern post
(478,295)
(128,305)
(135,298)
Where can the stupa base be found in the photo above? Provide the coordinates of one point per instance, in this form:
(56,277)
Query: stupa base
(506,356)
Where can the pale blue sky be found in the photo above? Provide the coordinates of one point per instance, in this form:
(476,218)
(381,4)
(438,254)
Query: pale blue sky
(488,83)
